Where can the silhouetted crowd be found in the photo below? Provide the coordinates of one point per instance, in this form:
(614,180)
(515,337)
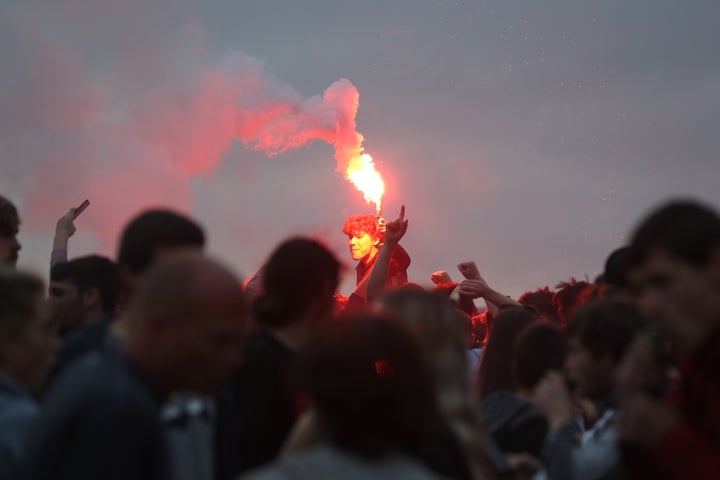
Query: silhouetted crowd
(162,364)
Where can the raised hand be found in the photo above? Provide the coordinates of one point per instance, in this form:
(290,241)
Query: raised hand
(395,229)
(65,226)
(440,277)
(469,270)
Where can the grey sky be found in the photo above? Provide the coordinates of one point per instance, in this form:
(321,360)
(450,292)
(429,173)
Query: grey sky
(528,136)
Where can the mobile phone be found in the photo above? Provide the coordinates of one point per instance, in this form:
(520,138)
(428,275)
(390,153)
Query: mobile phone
(81,208)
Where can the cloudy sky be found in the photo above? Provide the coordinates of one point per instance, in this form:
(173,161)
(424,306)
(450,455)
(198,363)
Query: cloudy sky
(528,136)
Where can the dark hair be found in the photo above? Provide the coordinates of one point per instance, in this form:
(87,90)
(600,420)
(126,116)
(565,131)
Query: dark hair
(686,230)
(92,271)
(495,371)
(297,272)
(19,295)
(538,349)
(371,385)
(616,267)
(607,327)
(360,224)
(154,230)
(570,295)
(9,219)
(542,300)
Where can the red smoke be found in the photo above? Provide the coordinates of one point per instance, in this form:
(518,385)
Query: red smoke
(130,135)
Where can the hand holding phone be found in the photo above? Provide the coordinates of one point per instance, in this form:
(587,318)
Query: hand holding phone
(81,208)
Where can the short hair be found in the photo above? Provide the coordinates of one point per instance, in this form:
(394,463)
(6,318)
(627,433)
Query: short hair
(616,267)
(607,327)
(9,219)
(542,301)
(92,271)
(152,230)
(371,384)
(686,230)
(538,349)
(357,225)
(297,272)
(570,295)
(19,295)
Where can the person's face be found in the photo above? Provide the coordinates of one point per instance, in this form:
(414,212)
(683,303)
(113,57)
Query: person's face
(592,376)
(362,245)
(211,339)
(9,248)
(680,297)
(65,306)
(32,354)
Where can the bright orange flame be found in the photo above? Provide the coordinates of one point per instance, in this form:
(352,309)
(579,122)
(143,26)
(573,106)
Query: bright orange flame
(362,173)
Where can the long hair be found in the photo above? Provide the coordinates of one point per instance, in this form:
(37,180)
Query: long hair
(495,372)
(440,330)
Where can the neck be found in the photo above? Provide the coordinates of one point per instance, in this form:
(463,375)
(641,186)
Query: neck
(370,256)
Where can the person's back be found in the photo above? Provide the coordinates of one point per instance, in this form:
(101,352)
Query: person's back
(100,404)
(259,405)
(373,405)
(185,326)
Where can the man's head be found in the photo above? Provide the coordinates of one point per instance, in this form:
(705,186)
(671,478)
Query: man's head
(675,271)
(82,290)
(154,234)
(570,295)
(542,300)
(363,236)
(27,343)
(299,282)
(598,336)
(186,324)
(9,224)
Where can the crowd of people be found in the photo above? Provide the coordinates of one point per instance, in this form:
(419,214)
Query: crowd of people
(162,364)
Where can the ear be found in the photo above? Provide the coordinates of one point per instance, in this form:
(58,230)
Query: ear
(91,299)
(376,240)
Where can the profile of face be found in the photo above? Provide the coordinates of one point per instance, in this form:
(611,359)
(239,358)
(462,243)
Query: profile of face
(681,298)
(31,356)
(592,376)
(362,246)
(65,305)
(9,248)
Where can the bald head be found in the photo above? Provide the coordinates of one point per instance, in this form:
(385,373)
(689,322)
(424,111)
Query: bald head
(186,323)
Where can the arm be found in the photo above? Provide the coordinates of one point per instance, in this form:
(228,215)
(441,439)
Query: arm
(64,229)
(470,271)
(376,281)
(481,289)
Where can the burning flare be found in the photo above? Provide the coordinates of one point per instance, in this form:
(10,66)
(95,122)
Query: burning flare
(362,173)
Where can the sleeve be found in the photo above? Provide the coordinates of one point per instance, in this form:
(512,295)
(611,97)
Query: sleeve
(558,450)
(58,256)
